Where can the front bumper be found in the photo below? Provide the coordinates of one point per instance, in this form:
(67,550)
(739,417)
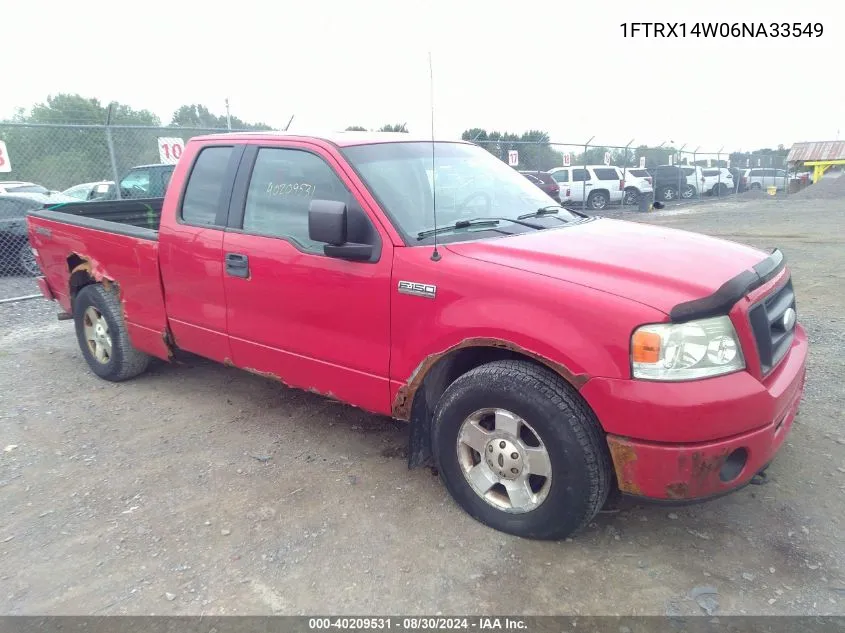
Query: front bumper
(698,439)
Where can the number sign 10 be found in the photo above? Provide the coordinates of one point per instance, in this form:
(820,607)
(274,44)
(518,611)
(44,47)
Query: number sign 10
(170,149)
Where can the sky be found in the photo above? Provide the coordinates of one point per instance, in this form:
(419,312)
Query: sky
(563,66)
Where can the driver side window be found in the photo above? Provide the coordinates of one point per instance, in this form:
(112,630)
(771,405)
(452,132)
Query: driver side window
(283,183)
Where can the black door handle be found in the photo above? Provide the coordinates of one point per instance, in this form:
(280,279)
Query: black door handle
(237,265)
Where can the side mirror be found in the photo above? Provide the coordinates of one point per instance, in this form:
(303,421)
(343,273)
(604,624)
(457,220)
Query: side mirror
(328,223)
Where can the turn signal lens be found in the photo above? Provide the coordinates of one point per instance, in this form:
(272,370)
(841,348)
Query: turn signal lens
(645,347)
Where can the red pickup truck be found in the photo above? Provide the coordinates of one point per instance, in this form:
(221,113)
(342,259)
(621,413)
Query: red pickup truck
(543,358)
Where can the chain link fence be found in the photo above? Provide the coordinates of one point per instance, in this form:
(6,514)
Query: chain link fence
(595,176)
(45,163)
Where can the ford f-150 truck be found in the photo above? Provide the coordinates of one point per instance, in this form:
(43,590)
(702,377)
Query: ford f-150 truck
(543,358)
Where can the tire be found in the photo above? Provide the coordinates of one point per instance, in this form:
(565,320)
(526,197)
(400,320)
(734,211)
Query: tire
(756,186)
(720,189)
(597,200)
(95,306)
(632,196)
(26,260)
(550,416)
(669,192)
(689,192)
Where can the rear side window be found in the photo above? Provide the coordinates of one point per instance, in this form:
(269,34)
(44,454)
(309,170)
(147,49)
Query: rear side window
(561,176)
(710,172)
(606,174)
(639,173)
(202,195)
(687,171)
(579,175)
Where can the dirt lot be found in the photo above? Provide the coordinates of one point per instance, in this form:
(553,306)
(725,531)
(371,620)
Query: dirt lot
(201,489)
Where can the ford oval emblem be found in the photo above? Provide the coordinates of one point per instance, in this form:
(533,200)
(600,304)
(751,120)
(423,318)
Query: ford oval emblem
(788,320)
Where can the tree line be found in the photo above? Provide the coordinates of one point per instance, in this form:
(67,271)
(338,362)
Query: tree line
(59,157)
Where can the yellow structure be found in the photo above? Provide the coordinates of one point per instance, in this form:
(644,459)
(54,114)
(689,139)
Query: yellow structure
(821,166)
(820,155)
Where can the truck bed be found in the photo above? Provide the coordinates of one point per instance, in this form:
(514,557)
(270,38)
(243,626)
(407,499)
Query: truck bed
(137,218)
(114,242)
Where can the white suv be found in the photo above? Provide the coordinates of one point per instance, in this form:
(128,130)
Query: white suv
(717,181)
(602,184)
(637,182)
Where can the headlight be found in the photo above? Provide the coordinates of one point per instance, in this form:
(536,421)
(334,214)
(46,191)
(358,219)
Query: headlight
(686,351)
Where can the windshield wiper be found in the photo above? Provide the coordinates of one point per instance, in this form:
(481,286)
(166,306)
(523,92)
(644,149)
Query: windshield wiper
(462,224)
(549,210)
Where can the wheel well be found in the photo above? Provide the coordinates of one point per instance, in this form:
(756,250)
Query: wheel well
(79,276)
(443,373)
(604,191)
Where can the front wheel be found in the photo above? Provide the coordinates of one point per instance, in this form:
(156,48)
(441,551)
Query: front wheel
(520,451)
(689,192)
(102,335)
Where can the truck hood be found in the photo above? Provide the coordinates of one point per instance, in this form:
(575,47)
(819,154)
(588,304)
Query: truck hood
(656,266)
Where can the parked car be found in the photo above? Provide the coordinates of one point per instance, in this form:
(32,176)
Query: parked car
(670,183)
(146,181)
(764,177)
(602,184)
(100,190)
(637,182)
(543,358)
(143,181)
(717,181)
(18,186)
(15,254)
(545,182)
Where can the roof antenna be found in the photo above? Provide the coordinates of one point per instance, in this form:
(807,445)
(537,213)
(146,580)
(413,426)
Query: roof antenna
(435,255)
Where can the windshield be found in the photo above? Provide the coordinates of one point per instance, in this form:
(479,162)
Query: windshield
(469,183)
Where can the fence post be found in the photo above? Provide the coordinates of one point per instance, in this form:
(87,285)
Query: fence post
(584,185)
(625,171)
(110,143)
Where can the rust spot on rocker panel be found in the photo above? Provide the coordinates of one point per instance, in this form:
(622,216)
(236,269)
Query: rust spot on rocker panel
(401,408)
(624,455)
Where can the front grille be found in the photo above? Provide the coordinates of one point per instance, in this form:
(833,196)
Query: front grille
(772,337)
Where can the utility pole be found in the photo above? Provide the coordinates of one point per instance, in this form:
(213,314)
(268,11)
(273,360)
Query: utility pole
(228,118)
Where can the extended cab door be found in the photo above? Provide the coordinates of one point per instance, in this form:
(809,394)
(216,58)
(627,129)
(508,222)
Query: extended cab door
(312,321)
(190,251)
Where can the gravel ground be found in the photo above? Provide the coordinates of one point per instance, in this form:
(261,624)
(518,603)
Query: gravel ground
(201,489)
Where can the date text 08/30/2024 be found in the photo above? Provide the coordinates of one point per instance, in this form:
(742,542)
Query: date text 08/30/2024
(417,623)
(723,29)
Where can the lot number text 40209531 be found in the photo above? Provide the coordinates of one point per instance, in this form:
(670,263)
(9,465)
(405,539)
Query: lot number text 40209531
(722,29)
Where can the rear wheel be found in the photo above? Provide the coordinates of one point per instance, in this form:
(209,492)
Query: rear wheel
(720,189)
(103,339)
(669,193)
(632,196)
(597,200)
(756,185)
(520,451)
(689,192)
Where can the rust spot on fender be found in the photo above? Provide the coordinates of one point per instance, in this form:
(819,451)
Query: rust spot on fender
(401,408)
(263,374)
(624,455)
(677,490)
